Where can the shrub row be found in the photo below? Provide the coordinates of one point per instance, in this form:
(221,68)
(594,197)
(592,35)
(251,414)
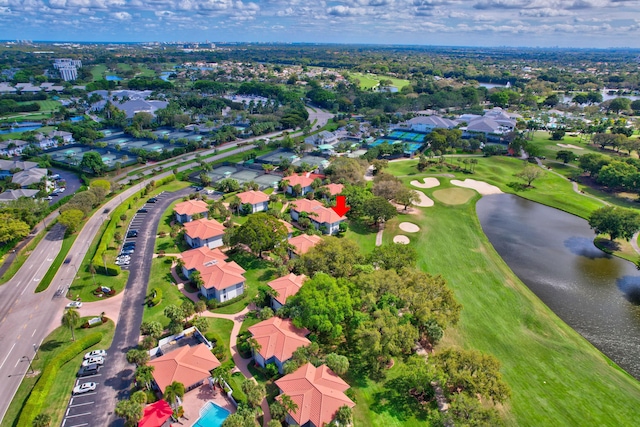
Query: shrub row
(153,301)
(213,303)
(38,397)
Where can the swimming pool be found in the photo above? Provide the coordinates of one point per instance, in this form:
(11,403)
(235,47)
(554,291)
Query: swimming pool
(211,415)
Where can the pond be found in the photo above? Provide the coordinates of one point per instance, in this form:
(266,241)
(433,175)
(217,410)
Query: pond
(19,129)
(113,78)
(553,253)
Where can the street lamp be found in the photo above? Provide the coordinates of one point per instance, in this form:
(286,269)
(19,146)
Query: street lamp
(28,360)
(35,351)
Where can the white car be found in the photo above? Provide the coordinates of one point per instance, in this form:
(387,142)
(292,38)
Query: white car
(74,304)
(95,353)
(84,388)
(99,360)
(61,189)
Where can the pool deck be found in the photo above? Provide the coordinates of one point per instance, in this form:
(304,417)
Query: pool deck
(195,399)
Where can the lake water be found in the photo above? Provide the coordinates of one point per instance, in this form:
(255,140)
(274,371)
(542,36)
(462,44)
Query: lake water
(19,129)
(552,252)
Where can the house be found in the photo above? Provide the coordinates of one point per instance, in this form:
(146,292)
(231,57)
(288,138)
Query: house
(324,219)
(289,228)
(11,165)
(221,280)
(428,124)
(186,210)
(302,243)
(278,339)
(12,147)
(318,394)
(321,138)
(194,258)
(204,232)
(156,414)
(257,199)
(285,287)
(29,177)
(10,195)
(334,189)
(304,181)
(189,365)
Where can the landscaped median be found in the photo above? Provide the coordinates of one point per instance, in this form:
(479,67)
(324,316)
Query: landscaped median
(55,366)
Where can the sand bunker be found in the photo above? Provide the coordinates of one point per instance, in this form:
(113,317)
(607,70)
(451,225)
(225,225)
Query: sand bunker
(409,227)
(481,187)
(424,202)
(428,183)
(401,239)
(570,146)
(454,196)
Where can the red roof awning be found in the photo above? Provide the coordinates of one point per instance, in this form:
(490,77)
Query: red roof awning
(155,414)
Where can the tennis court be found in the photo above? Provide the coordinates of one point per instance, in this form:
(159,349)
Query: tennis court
(313,161)
(275,157)
(222,171)
(268,180)
(244,176)
(153,147)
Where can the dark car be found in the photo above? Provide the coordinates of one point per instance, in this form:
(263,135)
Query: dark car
(68,260)
(85,371)
(127,251)
(129,245)
(152,200)
(142,210)
(132,233)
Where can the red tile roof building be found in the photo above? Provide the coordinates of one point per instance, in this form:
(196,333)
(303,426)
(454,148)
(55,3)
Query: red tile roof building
(278,339)
(334,189)
(190,366)
(204,232)
(318,214)
(318,392)
(186,210)
(303,180)
(302,243)
(195,258)
(286,286)
(257,199)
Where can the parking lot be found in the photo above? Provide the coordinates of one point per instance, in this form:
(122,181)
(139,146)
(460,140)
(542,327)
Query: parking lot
(82,408)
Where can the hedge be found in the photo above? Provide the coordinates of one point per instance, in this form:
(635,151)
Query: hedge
(38,396)
(151,301)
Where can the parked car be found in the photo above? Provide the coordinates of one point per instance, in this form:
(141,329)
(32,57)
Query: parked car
(85,371)
(142,210)
(127,252)
(84,388)
(95,353)
(74,304)
(152,200)
(132,233)
(98,360)
(61,189)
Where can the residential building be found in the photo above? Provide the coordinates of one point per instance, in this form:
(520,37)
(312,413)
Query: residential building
(278,339)
(285,287)
(188,365)
(257,199)
(323,219)
(322,138)
(186,210)
(302,243)
(12,147)
(68,68)
(194,258)
(334,189)
(204,232)
(11,195)
(10,165)
(29,177)
(289,228)
(221,280)
(318,394)
(304,181)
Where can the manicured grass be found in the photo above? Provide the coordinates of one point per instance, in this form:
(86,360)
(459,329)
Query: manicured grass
(48,106)
(363,234)
(21,258)
(556,376)
(98,72)
(124,67)
(367,81)
(221,330)
(50,274)
(65,380)
(249,320)
(453,196)
(161,278)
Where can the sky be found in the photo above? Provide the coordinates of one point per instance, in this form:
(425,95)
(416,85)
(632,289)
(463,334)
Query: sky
(534,23)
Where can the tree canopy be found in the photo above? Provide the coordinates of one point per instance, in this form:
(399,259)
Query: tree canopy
(92,161)
(261,232)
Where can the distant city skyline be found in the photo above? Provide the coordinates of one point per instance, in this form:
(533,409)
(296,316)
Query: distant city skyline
(532,23)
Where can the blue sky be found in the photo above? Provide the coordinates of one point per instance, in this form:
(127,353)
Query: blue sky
(564,23)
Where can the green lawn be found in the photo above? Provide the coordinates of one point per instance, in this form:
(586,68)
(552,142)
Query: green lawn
(556,376)
(48,106)
(220,330)
(98,72)
(65,380)
(21,258)
(368,80)
(161,278)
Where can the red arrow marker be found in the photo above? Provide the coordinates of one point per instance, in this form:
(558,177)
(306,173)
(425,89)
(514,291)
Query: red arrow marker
(341,207)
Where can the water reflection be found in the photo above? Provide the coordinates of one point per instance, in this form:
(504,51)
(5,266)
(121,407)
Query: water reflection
(553,253)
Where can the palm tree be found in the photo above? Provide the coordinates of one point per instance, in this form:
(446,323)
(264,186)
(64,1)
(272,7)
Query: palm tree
(42,420)
(70,318)
(129,410)
(173,392)
(288,404)
(144,375)
(222,374)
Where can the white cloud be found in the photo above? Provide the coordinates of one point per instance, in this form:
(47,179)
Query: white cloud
(122,16)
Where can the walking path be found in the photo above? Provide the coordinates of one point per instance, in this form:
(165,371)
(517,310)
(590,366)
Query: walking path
(379,236)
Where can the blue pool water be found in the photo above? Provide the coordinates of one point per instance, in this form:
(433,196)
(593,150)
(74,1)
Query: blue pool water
(112,78)
(211,416)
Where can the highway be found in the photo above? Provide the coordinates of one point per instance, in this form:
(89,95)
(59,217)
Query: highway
(26,317)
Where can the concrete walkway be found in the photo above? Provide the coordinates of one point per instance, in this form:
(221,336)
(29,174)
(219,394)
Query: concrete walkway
(379,235)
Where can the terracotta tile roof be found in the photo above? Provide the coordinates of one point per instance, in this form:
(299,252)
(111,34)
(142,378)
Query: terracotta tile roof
(304,180)
(221,275)
(304,242)
(203,228)
(187,365)
(287,286)
(316,211)
(288,226)
(318,392)
(191,207)
(253,197)
(279,337)
(334,189)
(200,256)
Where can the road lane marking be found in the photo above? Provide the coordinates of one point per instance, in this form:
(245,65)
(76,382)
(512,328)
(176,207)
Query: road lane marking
(79,425)
(34,332)
(79,415)
(81,404)
(5,359)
